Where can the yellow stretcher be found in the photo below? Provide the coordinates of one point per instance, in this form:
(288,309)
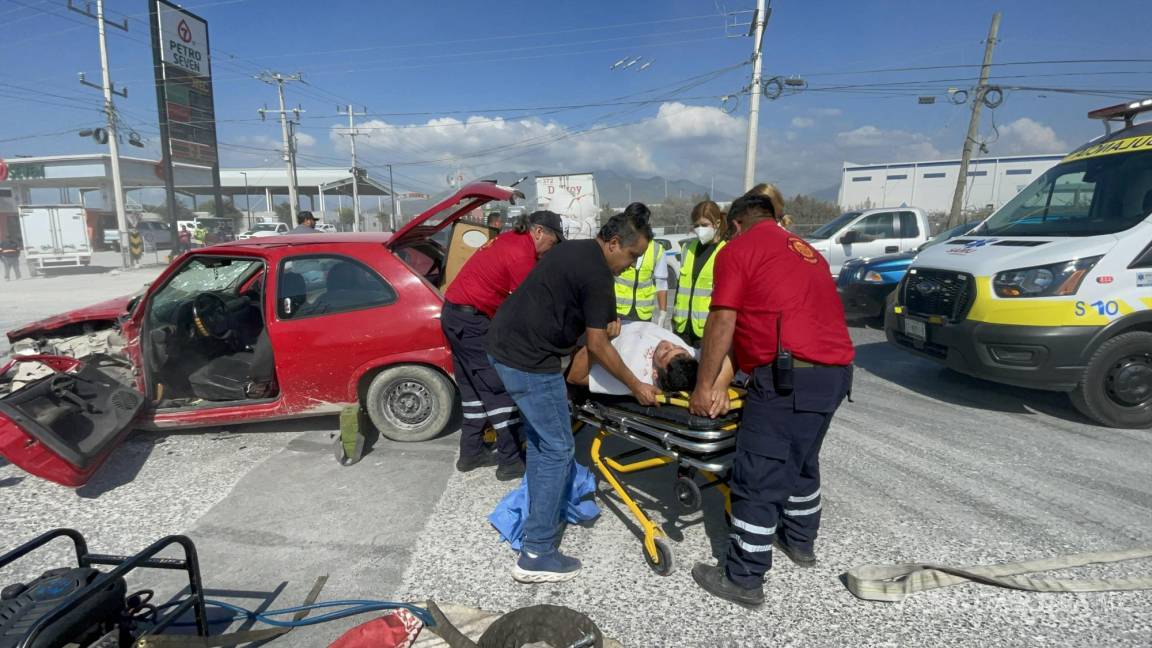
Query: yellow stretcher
(696,445)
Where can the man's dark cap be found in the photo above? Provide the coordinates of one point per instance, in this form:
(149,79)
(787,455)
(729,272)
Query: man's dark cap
(550,220)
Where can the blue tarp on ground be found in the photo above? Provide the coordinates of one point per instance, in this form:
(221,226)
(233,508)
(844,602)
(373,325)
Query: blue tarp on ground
(508,516)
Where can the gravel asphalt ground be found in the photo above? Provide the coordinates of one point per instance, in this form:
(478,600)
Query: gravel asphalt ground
(925,466)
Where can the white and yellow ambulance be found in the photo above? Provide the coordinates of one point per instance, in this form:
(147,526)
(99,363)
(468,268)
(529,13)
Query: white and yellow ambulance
(1054,290)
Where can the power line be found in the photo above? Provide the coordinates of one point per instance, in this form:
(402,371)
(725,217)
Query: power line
(67,131)
(977,66)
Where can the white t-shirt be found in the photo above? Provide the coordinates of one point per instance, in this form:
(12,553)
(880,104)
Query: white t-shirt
(636,345)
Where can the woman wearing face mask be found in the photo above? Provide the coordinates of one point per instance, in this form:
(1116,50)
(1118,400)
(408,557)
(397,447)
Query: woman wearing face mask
(694,290)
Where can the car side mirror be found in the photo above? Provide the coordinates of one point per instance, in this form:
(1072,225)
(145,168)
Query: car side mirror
(850,237)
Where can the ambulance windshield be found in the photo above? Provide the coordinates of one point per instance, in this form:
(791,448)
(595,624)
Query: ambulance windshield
(1089,196)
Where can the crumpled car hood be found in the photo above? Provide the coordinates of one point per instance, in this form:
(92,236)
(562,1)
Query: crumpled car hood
(105,311)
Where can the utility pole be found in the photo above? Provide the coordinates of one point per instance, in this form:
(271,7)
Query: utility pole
(279,80)
(392,191)
(110,111)
(973,124)
(757,32)
(357,225)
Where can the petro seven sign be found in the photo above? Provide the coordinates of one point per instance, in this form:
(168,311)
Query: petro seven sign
(184,40)
(184,100)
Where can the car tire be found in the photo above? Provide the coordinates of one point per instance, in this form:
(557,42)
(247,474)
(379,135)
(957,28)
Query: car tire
(1116,388)
(411,403)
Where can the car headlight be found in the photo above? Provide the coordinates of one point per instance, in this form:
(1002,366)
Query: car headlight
(1061,278)
(871,276)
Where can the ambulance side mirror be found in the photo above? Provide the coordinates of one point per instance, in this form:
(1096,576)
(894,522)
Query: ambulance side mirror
(850,237)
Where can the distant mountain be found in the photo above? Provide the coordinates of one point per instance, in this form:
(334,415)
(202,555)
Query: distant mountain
(614,187)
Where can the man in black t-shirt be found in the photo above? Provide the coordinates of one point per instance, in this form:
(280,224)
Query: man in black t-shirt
(568,294)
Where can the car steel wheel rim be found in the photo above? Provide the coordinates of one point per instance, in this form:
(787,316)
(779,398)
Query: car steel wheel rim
(1129,381)
(408,403)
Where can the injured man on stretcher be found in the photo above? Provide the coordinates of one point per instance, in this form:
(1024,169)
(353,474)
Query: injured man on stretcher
(654,355)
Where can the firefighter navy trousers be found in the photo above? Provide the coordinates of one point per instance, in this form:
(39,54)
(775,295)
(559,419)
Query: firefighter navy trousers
(482,394)
(775,476)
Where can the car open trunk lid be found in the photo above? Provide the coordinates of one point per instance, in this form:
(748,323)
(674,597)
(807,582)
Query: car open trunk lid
(470,197)
(64,418)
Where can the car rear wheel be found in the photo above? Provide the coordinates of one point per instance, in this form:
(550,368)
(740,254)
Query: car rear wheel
(1116,389)
(410,403)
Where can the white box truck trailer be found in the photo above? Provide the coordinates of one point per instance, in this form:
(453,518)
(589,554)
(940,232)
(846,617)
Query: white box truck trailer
(575,198)
(55,236)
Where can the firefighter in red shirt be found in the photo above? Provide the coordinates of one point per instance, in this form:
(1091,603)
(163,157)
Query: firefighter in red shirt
(775,305)
(484,282)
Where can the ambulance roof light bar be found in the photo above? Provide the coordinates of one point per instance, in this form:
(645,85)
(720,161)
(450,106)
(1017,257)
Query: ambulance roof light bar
(1125,112)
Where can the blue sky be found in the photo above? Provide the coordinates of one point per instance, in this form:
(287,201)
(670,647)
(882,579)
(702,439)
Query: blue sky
(487,86)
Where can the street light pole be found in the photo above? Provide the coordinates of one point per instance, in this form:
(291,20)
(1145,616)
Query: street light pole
(247,199)
(357,225)
(392,191)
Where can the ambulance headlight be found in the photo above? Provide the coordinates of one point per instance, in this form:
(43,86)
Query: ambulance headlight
(1062,278)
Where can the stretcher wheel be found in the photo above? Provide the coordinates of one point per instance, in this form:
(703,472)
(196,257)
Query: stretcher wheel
(662,564)
(687,494)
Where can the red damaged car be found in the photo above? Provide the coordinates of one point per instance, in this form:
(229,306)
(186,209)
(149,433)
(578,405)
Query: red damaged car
(255,330)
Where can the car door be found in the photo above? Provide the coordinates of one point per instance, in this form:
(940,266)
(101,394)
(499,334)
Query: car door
(331,314)
(870,235)
(63,417)
(909,230)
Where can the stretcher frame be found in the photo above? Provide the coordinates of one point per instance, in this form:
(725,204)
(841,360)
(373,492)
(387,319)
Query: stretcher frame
(704,452)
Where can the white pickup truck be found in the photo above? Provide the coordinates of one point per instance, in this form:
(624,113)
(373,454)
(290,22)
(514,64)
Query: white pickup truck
(870,233)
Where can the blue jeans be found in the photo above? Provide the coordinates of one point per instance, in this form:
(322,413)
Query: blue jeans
(547,426)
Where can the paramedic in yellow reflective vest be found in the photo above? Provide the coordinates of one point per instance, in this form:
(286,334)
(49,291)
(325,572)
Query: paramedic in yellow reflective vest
(644,286)
(694,289)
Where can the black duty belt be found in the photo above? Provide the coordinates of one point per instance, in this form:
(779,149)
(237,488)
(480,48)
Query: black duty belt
(466,308)
(804,364)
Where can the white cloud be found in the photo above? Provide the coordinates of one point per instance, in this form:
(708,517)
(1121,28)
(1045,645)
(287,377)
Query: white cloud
(304,140)
(1026,136)
(679,141)
(869,143)
(803,122)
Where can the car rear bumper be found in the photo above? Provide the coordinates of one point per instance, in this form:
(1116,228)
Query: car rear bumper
(863,300)
(1037,357)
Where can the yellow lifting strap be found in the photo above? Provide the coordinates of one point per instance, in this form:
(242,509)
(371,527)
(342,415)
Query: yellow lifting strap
(894,583)
(680,399)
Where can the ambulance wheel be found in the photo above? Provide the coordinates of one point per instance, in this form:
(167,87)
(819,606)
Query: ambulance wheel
(410,403)
(662,563)
(687,494)
(1116,388)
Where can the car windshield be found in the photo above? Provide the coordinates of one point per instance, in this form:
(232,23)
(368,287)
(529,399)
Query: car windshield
(828,229)
(265,227)
(203,274)
(1085,197)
